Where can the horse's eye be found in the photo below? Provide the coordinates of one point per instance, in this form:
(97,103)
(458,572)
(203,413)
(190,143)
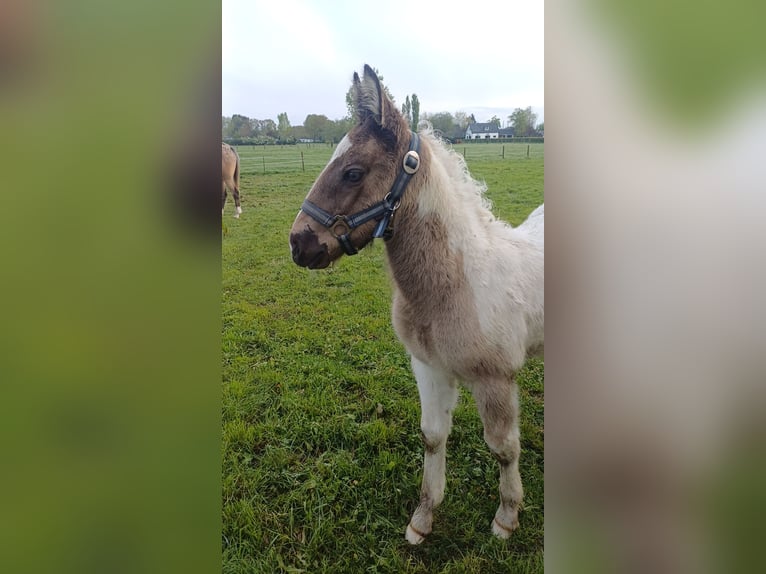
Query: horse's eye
(353,175)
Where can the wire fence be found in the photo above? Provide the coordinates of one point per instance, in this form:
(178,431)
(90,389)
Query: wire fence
(311,158)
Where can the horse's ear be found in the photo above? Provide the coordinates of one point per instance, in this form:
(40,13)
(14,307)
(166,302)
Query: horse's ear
(371,100)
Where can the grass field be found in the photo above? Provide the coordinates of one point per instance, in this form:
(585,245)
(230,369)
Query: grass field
(322,458)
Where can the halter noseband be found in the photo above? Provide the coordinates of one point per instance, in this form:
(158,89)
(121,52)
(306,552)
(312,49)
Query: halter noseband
(383,211)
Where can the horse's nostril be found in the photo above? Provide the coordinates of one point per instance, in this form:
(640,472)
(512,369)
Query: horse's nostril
(295,249)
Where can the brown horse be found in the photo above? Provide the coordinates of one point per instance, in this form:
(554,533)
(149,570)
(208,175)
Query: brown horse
(230,172)
(468,288)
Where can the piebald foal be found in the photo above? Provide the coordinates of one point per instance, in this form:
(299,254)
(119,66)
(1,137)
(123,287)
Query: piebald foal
(468,289)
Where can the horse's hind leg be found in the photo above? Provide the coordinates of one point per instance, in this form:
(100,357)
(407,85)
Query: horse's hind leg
(438,396)
(498,404)
(235,194)
(223,198)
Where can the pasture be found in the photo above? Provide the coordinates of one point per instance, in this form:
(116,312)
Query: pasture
(322,457)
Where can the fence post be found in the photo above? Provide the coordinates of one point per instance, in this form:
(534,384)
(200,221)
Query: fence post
(463,153)
(264,165)
(503,151)
(303,165)
(527,150)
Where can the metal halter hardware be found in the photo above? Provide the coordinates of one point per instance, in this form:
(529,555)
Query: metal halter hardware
(383,211)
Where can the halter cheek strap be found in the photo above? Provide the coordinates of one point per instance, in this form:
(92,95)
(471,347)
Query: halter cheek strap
(382,212)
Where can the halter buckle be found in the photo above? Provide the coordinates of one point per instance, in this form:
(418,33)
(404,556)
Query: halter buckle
(387,201)
(411,162)
(339,226)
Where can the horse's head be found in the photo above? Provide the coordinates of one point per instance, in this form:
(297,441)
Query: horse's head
(354,197)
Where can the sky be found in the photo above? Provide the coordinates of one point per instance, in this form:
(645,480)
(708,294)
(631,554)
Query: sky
(298,56)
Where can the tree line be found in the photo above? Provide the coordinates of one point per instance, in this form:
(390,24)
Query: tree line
(239,129)
(523,121)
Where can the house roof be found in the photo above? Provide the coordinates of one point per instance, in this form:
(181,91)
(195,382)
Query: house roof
(506,131)
(478,128)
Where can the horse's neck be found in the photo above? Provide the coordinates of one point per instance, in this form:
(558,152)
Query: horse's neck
(422,277)
(426,253)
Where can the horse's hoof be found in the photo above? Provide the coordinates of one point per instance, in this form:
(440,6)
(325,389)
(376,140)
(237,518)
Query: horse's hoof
(236,216)
(502,531)
(414,537)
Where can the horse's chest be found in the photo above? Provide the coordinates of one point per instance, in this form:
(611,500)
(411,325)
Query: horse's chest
(414,330)
(431,336)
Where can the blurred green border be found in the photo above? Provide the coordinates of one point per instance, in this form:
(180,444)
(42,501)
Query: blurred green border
(110,339)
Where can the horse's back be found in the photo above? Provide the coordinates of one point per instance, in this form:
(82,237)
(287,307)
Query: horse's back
(534,224)
(228,154)
(510,286)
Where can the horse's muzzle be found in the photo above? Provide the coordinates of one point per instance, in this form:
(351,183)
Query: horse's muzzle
(307,251)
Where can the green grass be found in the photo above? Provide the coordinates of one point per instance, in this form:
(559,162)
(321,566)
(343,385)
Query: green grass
(322,459)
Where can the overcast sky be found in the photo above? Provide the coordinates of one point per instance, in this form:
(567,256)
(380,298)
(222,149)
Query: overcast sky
(298,56)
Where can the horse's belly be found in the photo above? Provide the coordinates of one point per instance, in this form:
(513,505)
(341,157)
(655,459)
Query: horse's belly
(445,343)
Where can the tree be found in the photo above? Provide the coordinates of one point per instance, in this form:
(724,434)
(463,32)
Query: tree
(299,132)
(443,121)
(269,129)
(255,127)
(351,101)
(462,120)
(411,111)
(495,120)
(415,112)
(337,129)
(407,110)
(523,121)
(540,128)
(284,127)
(239,127)
(316,126)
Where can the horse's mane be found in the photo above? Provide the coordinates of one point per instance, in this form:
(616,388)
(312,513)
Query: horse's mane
(466,194)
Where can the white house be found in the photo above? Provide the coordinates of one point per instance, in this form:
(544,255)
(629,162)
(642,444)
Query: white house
(479,131)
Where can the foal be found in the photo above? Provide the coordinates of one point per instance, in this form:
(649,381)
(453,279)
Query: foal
(468,289)
(230,173)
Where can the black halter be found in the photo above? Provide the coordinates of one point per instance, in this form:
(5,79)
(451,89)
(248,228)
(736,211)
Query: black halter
(383,211)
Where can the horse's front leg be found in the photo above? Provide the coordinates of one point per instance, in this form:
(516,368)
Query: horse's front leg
(438,396)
